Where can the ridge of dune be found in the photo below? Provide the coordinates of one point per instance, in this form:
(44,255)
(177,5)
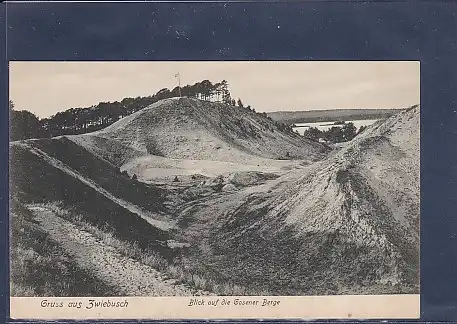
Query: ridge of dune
(353,218)
(186,128)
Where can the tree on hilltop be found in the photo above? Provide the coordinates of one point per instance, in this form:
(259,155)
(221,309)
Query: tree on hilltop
(83,120)
(218,91)
(207,90)
(226,98)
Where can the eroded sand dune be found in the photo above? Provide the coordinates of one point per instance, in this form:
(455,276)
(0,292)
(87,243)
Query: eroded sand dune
(245,203)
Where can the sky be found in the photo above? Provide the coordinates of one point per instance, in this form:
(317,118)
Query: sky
(46,88)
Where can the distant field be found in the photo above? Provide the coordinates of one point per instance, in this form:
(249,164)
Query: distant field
(293,117)
(325,126)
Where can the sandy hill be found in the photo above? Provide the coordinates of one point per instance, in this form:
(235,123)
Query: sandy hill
(348,224)
(279,215)
(185,128)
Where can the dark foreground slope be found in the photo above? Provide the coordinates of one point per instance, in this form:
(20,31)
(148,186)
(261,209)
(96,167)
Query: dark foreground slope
(57,174)
(349,224)
(56,170)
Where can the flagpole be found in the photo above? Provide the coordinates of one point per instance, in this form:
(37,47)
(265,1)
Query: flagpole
(179,83)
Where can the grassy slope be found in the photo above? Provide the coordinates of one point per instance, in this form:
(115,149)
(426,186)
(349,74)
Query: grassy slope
(315,262)
(33,180)
(103,173)
(40,267)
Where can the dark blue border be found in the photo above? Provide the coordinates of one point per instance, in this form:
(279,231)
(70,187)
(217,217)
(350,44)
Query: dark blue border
(4,161)
(314,30)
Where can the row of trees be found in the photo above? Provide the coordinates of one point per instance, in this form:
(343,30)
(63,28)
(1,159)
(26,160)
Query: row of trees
(334,134)
(24,124)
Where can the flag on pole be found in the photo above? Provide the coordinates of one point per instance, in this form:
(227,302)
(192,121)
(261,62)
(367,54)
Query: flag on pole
(179,82)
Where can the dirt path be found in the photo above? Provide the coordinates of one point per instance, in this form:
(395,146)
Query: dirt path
(147,216)
(130,276)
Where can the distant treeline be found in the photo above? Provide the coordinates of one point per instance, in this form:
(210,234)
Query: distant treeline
(24,124)
(295,117)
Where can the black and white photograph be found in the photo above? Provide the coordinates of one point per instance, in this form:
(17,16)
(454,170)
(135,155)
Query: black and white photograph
(214,178)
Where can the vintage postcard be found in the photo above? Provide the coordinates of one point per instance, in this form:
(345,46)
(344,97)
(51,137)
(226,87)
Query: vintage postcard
(215,190)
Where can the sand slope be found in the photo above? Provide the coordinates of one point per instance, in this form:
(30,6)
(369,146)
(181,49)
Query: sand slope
(347,224)
(254,207)
(191,129)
